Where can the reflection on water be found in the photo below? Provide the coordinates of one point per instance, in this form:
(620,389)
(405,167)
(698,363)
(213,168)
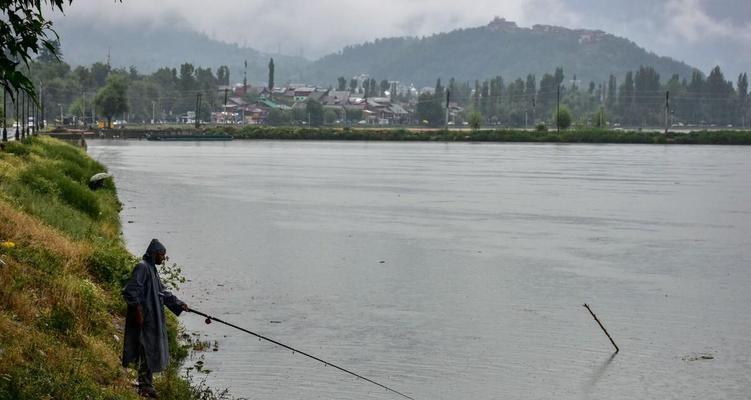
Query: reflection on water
(597,375)
(455,271)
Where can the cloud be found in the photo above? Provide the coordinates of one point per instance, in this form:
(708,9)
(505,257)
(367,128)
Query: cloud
(688,20)
(701,32)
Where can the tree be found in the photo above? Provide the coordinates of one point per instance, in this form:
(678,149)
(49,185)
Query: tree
(626,99)
(329,116)
(384,87)
(366,87)
(563,118)
(610,98)
(314,109)
(271,75)
(341,84)
(112,99)
(430,110)
(222,75)
(353,85)
(475,120)
(277,117)
(718,92)
(24,31)
(598,120)
(743,98)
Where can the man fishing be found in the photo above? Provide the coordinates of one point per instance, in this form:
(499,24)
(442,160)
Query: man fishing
(145,328)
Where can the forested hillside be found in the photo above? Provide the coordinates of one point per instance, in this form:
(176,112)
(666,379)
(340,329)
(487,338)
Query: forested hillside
(501,48)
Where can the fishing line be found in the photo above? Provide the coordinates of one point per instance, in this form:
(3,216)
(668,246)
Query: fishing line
(326,363)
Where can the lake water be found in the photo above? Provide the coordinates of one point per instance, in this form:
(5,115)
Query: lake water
(455,271)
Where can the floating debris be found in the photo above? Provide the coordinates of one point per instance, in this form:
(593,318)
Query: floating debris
(697,357)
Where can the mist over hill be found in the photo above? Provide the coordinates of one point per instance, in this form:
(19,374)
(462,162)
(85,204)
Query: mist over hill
(500,48)
(148,48)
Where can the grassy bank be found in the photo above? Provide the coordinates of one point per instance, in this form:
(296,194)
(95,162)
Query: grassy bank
(485,135)
(63,264)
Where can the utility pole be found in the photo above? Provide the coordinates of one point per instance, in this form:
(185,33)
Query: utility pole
(61,113)
(558,110)
(83,107)
(5,115)
(18,122)
(35,128)
(153,112)
(41,105)
(448,102)
(534,106)
(23,116)
(225,104)
(198,110)
(667,110)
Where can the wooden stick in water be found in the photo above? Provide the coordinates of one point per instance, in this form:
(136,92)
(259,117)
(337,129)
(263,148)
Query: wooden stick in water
(603,328)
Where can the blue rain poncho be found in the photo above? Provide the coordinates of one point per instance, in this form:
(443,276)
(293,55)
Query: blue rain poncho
(145,288)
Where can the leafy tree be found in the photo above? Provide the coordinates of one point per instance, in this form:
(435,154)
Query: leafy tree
(475,120)
(718,97)
(353,85)
(112,99)
(563,118)
(222,75)
(277,117)
(598,120)
(530,90)
(546,96)
(271,74)
(25,31)
(430,110)
(626,99)
(329,116)
(743,98)
(354,114)
(341,84)
(314,109)
(384,87)
(366,87)
(373,88)
(611,97)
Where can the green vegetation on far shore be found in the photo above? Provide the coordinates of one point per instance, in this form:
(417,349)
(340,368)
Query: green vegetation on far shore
(486,135)
(62,264)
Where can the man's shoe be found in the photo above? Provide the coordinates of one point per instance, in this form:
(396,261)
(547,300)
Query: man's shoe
(148,392)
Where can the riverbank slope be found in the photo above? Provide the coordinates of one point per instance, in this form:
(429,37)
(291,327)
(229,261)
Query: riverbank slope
(62,264)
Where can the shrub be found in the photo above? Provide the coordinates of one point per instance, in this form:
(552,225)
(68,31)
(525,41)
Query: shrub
(563,117)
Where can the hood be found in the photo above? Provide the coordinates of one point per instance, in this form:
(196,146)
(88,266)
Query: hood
(154,247)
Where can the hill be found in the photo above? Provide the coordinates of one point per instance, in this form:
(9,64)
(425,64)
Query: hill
(149,47)
(500,48)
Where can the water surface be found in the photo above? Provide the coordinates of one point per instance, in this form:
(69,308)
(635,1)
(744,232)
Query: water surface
(455,271)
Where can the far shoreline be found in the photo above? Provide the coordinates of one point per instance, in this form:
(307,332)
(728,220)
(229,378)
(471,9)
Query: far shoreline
(261,132)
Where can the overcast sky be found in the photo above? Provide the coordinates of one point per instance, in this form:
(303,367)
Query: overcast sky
(703,33)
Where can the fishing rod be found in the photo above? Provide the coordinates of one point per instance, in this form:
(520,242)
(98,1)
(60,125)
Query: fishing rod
(209,318)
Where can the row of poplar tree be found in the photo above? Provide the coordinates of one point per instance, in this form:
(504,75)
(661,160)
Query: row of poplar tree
(640,99)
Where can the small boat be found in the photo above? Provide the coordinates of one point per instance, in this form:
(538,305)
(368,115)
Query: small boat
(189,138)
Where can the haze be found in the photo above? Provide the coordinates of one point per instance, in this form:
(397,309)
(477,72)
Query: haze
(702,33)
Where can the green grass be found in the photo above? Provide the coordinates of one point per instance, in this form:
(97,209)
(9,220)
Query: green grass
(61,313)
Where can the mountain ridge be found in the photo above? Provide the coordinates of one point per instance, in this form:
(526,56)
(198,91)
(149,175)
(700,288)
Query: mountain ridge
(498,48)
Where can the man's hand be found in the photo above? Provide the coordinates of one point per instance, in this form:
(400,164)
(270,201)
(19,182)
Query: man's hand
(139,316)
(185,307)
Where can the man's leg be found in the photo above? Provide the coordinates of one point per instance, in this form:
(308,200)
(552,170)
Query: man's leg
(145,376)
